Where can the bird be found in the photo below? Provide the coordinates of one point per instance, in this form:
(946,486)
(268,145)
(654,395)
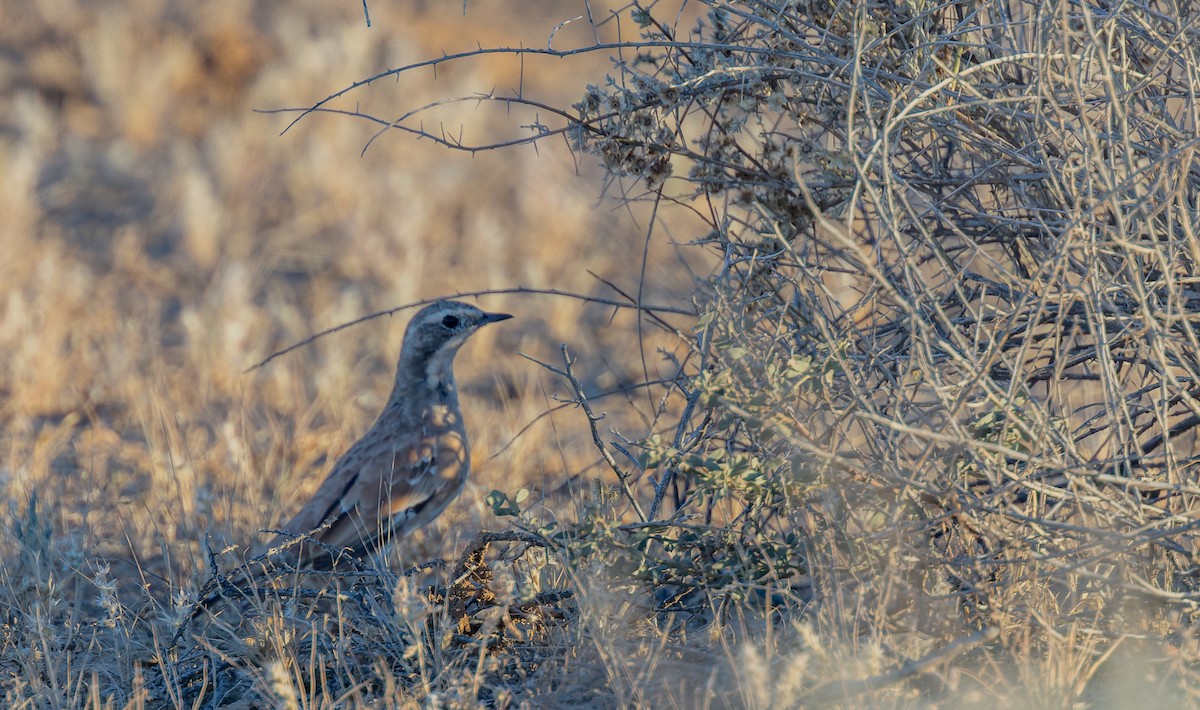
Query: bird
(403,472)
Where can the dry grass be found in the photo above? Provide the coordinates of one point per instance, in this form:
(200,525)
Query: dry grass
(929,440)
(161,237)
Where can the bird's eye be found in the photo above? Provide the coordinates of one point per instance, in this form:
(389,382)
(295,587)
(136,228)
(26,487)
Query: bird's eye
(450,321)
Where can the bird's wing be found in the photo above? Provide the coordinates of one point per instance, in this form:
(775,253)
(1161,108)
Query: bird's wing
(379,484)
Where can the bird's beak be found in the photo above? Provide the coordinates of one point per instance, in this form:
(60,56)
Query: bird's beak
(493,318)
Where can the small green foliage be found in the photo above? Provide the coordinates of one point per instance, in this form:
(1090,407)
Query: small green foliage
(504,506)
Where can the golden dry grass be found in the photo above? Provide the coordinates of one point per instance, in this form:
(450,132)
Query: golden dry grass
(160,237)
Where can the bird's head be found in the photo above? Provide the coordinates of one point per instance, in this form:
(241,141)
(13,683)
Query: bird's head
(434,335)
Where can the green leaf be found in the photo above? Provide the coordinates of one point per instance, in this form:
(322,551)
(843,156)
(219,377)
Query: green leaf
(501,505)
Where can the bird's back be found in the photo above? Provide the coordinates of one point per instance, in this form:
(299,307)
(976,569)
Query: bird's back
(398,477)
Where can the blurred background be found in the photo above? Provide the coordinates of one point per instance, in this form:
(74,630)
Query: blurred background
(160,236)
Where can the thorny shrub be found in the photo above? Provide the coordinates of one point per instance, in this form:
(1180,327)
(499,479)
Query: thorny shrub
(945,377)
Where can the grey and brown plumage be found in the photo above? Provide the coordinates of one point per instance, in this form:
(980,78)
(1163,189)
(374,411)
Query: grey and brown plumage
(401,474)
(413,460)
